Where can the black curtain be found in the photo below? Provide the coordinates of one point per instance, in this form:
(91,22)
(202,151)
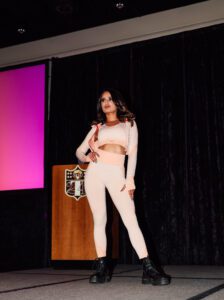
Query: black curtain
(175,86)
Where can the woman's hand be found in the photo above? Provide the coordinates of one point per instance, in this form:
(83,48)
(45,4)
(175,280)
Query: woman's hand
(131,193)
(93,156)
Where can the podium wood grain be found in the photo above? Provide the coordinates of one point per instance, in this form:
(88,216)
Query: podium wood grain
(72,222)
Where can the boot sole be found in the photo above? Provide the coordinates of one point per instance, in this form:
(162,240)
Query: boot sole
(163,281)
(104,280)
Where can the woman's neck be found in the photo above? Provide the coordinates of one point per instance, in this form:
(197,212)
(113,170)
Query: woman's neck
(112,120)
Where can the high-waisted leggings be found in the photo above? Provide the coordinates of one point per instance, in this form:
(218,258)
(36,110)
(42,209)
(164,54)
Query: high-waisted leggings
(108,172)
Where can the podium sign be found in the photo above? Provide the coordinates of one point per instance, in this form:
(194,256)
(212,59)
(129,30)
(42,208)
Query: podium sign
(72,222)
(74,182)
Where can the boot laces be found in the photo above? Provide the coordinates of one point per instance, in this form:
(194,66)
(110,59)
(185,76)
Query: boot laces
(150,267)
(99,265)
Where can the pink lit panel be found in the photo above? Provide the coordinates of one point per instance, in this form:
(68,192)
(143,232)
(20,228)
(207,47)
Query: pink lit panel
(22,98)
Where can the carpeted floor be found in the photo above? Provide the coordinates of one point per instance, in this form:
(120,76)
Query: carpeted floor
(188,282)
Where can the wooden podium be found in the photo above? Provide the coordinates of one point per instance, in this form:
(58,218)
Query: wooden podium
(72,223)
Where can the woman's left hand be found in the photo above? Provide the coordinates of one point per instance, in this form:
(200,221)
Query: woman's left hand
(131,193)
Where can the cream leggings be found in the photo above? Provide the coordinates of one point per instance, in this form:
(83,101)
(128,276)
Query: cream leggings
(108,173)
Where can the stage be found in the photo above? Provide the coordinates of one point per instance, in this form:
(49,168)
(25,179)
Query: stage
(188,282)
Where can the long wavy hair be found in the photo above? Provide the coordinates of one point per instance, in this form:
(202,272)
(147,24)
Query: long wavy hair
(123,112)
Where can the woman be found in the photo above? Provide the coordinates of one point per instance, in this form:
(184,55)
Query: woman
(113,136)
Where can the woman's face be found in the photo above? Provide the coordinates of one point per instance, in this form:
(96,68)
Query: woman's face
(107,104)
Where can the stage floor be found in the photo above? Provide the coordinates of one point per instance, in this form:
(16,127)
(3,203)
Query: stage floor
(188,282)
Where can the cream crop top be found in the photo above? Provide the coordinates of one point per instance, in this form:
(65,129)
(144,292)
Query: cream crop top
(122,134)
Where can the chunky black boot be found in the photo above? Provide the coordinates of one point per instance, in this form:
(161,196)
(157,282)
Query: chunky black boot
(152,274)
(102,274)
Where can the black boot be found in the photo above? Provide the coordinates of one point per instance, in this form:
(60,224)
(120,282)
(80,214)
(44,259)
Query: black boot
(102,271)
(152,274)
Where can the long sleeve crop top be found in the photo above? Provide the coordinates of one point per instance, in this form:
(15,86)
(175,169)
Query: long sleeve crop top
(123,134)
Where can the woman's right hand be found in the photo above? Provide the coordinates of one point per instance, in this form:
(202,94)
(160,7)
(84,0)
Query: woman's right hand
(93,156)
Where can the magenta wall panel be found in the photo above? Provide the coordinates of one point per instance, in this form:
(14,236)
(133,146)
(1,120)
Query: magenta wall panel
(22,115)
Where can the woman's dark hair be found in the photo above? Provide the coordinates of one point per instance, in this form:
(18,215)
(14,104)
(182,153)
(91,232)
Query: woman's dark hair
(123,113)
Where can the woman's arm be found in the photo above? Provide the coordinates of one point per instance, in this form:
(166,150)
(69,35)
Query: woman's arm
(132,156)
(84,147)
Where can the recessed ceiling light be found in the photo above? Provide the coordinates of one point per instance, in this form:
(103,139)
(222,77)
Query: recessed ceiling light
(119,5)
(65,7)
(21,30)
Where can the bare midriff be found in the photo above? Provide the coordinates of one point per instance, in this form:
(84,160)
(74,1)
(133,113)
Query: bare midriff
(115,148)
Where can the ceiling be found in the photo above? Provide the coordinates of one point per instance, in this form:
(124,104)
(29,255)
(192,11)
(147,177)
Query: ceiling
(23,21)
